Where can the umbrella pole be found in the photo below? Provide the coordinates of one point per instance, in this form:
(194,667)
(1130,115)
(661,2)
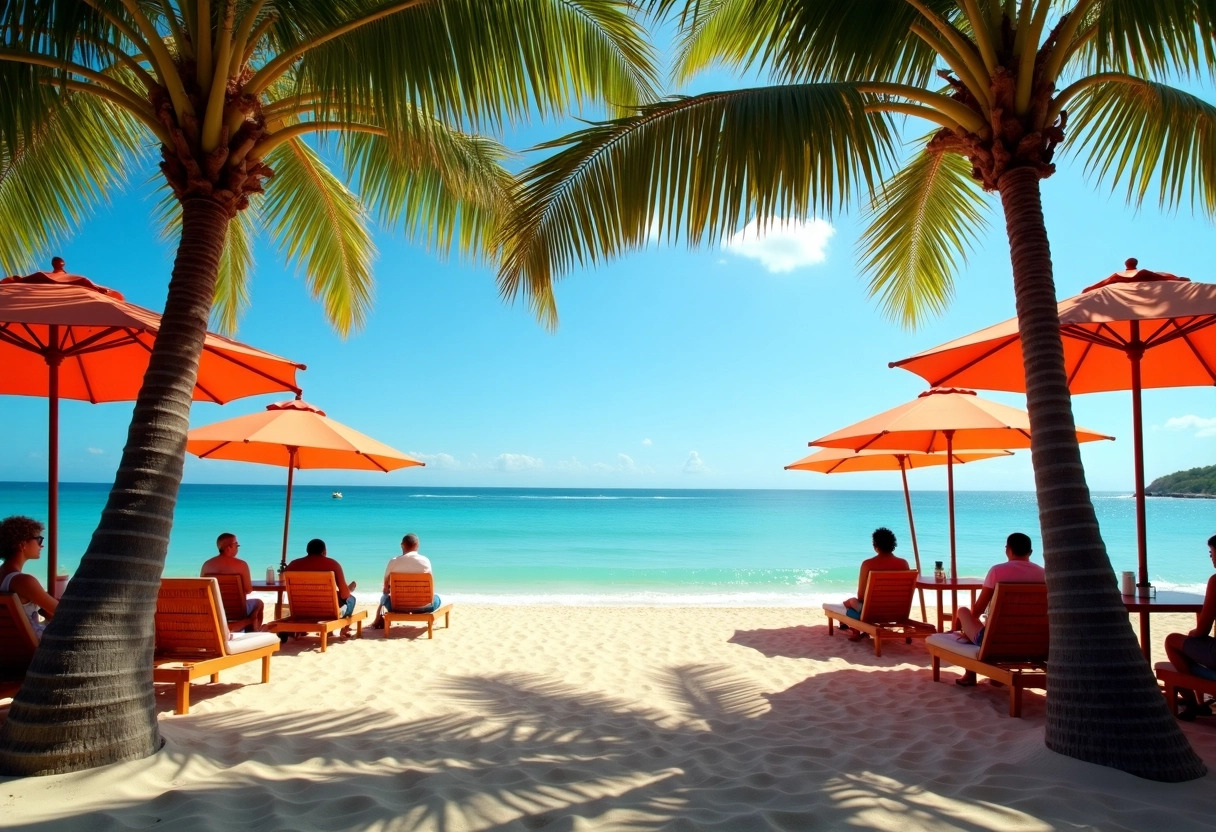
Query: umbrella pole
(1138,452)
(52,463)
(291,470)
(950,499)
(903,472)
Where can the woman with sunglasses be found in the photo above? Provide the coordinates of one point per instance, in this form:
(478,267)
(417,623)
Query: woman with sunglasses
(21,541)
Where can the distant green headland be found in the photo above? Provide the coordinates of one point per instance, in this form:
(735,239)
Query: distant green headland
(1197,482)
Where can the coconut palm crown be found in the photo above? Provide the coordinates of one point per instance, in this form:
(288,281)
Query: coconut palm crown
(1001,85)
(232,95)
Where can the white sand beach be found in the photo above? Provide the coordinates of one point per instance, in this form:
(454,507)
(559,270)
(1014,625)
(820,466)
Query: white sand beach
(607,718)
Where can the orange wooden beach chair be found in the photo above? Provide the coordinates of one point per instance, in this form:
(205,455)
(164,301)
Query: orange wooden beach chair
(17,644)
(1015,642)
(234,602)
(313,601)
(1174,679)
(409,591)
(192,637)
(885,611)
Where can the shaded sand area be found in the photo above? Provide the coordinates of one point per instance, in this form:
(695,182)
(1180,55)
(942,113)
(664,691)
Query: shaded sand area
(601,718)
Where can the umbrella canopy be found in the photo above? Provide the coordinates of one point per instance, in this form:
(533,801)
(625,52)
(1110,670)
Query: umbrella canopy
(1133,330)
(294,435)
(943,419)
(64,337)
(843,461)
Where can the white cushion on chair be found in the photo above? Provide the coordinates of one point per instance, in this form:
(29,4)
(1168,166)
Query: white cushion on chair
(950,643)
(244,642)
(837,608)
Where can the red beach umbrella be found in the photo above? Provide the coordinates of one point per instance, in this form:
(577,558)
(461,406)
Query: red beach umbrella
(1133,330)
(295,435)
(842,461)
(64,337)
(943,419)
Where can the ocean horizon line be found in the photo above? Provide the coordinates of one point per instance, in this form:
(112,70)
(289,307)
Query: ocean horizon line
(415,486)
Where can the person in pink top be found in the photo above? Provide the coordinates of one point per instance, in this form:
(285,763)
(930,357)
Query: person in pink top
(1017,569)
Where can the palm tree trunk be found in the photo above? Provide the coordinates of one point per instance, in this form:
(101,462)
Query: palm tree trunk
(87,699)
(1103,703)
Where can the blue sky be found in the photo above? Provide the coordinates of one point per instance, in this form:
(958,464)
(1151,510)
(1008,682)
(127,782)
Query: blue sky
(671,368)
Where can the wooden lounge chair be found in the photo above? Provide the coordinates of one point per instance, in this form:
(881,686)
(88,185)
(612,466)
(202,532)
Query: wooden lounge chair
(234,602)
(885,609)
(192,638)
(17,644)
(1173,679)
(1015,642)
(412,591)
(313,599)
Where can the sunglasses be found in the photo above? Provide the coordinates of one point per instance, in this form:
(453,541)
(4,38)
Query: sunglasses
(39,538)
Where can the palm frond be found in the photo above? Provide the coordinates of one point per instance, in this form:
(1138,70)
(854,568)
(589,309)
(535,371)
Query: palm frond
(1154,38)
(922,222)
(473,62)
(77,156)
(810,42)
(449,188)
(697,167)
(321,228)
(1149,135)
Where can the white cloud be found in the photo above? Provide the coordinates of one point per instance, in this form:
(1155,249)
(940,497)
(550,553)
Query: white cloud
(783,245)
(517,462)
(624,463)
(1202,427)
(571,464)
(647,442)
(96,451)
(694,464)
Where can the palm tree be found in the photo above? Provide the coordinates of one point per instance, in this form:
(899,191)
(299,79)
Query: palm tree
(231,92)
(998,82)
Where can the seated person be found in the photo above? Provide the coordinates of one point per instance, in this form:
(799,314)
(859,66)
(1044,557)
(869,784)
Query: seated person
(316,560)
(884,560)
(227,563)
(1017,569)
(408,562)
(21,541)
(1195,652)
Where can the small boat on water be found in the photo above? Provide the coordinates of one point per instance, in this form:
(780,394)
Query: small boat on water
(337,495)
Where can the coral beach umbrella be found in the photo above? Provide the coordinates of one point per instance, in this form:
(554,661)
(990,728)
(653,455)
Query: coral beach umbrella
(943,419)
(294,435)
(64,337)
(1133,330)
(843,461)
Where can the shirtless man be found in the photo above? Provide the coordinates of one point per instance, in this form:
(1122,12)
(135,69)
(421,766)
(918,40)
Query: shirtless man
(227,563)
(317,559)
(884,560)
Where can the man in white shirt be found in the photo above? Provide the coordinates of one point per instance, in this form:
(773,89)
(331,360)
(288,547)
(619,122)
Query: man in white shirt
(409,562)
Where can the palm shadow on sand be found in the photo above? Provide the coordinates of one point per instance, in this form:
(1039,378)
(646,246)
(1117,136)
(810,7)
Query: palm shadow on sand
(813,642)
(543,753)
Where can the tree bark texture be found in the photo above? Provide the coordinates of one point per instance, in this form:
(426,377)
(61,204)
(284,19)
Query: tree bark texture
(88,699)
(1103,703)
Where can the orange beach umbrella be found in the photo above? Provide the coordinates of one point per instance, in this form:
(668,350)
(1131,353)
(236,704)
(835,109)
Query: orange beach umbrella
(295,435)
(943,419)
(1133,330)
(842,461)
(64,337)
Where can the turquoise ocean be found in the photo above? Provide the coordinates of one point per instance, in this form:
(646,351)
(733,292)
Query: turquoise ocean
(609,546)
